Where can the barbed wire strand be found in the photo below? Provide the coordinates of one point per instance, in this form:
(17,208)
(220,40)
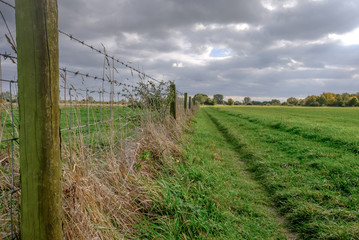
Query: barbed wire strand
(144,75)
(87,75)
(6,3)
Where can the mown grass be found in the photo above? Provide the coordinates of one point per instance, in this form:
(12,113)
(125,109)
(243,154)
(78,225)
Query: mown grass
(311,176)
(334,126)
(208,194)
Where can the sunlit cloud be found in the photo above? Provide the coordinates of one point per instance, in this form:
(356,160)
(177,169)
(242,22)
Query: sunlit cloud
(350,38)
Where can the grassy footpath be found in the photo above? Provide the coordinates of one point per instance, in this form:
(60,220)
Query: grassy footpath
(209,194)
(314,183)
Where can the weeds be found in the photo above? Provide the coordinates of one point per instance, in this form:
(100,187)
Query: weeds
(109,154)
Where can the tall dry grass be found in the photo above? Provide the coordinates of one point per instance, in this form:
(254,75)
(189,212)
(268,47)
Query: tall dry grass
(107,200)
(105,195)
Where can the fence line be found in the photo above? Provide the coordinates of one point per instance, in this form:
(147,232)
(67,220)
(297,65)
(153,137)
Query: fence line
(93,122)
(103,52)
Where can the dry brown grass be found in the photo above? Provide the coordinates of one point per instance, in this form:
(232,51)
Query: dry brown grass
(108,201)
(106,197)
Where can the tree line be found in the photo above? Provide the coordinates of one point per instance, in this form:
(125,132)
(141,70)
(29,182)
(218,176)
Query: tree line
(325,99)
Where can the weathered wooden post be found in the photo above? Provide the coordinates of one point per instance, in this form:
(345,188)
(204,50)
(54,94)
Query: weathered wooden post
(190,102)
(173,105)
(185,101)
(38,80)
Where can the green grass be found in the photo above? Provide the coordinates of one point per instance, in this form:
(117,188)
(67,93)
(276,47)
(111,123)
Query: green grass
(335,126)
(210,195)
(94,121)
(96,127)
(306,158)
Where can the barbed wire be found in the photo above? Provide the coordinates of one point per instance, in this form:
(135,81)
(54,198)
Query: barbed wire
(87,75)
(7,80)
(103,52)
(6,3)
(8,56)
(144,75)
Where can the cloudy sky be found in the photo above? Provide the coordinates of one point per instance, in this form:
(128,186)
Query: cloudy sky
(260,48)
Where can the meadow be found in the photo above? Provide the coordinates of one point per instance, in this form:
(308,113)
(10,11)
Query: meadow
(307,160)
(261,173)
(79,119)
(242,172)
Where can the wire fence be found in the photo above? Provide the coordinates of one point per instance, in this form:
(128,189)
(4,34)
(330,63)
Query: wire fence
(102,113)
(9,165)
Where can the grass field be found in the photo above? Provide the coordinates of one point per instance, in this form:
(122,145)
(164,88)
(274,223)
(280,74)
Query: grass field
(306,158)
(79,119)
(263,173)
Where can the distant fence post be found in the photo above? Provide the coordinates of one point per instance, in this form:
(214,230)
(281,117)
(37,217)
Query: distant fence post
(190,102)
(185,101)
(173,105)
(38,81)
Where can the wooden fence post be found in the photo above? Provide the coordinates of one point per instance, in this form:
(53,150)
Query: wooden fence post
(185,101)
(190,102)
(173,105)
(38,80)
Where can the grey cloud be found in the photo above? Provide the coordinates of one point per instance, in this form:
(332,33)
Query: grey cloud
(154,35)
(312,20)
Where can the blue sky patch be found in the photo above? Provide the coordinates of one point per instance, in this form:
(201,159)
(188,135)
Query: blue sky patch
(219,52)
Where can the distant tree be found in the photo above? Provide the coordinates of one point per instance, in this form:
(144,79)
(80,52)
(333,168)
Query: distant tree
(339,101)
(214,100)
(208,101)
(237,103)
(345,98)
(91,99)
(230,102)
(266,103)
(285,104)
(247,100)
(275,102)
(200,98)
(219,98)
(256,103)
(322,100)
(292,101)
(327,99)
(353,101)
(311,101)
